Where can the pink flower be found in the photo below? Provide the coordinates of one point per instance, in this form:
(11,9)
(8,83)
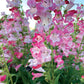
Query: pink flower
(2,78)
(40,55)
(60,65)
(35,51)
(66,52)
(13,9)
(36,75)
(82,76)
(70,27)
(4,48)
(77,67)
(58,16)
(54,51)
(68,18)
(82,59)
(17,67)
(55,37)
(19,55)
(59,61)
(0,36)
(38,38)
(10,60)
(11,43)
(72,11)
(81,23)
(58,58)
(45,54)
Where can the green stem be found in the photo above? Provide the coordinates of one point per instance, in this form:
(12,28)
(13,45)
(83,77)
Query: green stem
(7,67)
(52,67)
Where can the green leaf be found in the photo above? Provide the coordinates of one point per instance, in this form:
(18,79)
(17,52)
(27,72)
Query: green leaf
(13,74)
(57,68)
(57,79)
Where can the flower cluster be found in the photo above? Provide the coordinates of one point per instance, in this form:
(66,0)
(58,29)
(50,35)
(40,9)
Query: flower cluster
(40,53)
(56,42)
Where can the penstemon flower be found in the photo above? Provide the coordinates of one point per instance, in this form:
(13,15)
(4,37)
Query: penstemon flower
(55,37)
(2,78)
(35,75)
(52,53)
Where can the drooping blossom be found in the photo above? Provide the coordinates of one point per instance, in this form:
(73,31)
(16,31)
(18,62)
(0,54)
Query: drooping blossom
(36,75)
(2,78)
(17,67)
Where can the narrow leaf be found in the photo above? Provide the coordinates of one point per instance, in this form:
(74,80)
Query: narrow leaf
(57,79)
